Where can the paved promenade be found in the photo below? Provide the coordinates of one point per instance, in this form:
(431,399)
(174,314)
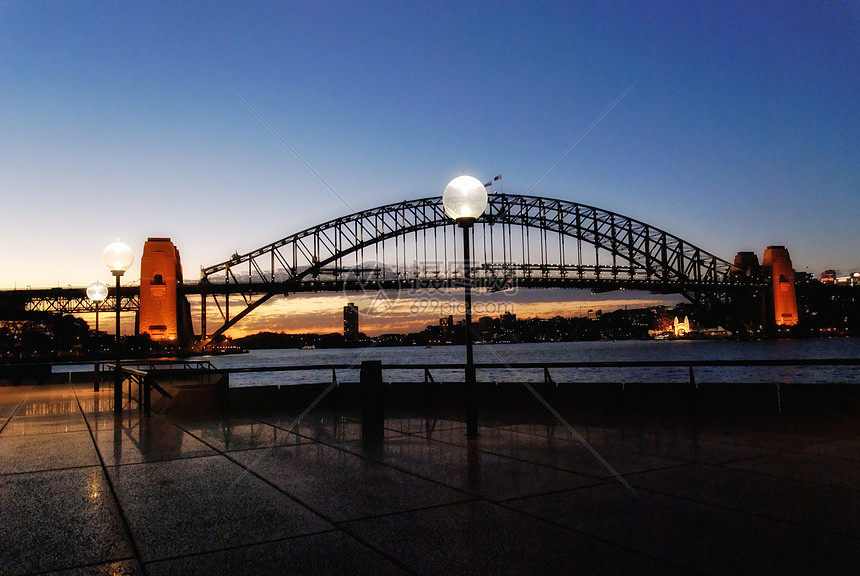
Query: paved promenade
(195,490)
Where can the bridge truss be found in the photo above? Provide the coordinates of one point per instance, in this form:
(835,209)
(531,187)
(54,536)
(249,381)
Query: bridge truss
(70,300)
(524,241)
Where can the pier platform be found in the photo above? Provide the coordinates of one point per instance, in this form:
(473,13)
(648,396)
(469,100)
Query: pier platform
(253,488)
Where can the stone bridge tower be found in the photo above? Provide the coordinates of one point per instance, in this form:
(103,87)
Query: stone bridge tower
(775,306)
(164,312)
(777,264)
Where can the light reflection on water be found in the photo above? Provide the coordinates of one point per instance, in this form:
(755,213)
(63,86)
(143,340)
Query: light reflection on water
(627,350)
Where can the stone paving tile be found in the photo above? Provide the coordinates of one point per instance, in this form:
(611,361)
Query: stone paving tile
(231,434)
(694,535)
(45,409)
(98,409)
(125,568)
(106,419)
(471,470)
(837,472)
(324,427)
(570,455)
(26,423)
(202,504)
(690,449)
(342,485)
(35,452)
(841,448)
(147,440)
(10,398)
(483,538)
(774,439)
(422,426)
(323,554)
(52,520)
(830,509)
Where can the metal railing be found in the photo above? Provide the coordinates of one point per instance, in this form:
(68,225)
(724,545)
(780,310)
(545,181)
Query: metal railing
(142,382)
(428,368)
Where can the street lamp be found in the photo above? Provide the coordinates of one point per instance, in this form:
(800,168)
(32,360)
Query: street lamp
(464,200)
(97,292)
(118,258)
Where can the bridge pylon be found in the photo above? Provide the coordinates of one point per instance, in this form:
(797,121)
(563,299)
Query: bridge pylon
(164,312)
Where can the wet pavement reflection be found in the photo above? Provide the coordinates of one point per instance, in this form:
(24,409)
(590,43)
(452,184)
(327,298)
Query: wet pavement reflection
(87,490)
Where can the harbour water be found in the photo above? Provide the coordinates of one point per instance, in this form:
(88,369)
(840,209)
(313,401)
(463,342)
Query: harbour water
(628,350)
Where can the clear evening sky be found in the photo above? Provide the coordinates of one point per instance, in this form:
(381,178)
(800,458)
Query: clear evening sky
(740,130)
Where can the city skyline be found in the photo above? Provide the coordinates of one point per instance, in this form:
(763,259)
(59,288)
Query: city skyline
(226,128)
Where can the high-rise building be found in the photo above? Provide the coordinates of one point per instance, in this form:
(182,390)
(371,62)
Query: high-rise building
(777,264)
(350,322)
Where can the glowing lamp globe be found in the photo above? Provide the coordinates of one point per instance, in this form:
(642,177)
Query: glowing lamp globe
(97,291)
(118,258)
(464,199)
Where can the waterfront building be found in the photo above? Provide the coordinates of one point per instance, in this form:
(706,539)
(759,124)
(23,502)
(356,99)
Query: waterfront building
(682,328)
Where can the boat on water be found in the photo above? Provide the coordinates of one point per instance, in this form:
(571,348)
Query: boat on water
(224,350)
(309,347)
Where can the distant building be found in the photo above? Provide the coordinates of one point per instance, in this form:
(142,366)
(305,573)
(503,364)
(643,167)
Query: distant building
(350,322)
(446,326)
(682,328)
(486,327)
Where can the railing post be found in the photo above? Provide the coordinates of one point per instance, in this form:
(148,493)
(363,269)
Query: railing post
(372,401)
(147,407)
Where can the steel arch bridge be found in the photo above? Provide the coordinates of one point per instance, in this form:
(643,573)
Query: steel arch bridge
(526,241)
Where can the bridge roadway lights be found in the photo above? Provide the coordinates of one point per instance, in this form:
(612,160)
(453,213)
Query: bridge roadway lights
(464,200)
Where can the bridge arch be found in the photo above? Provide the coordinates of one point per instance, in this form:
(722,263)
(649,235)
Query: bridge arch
(576,246)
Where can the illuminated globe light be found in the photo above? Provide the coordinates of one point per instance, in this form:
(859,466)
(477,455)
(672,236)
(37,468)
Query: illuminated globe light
(118,258)
(97,291)
(464,199)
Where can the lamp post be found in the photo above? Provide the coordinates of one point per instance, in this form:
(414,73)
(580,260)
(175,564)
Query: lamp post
(97,292)
(464,200)
(118,258)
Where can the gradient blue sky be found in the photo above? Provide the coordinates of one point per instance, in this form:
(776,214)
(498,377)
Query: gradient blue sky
(118,119)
